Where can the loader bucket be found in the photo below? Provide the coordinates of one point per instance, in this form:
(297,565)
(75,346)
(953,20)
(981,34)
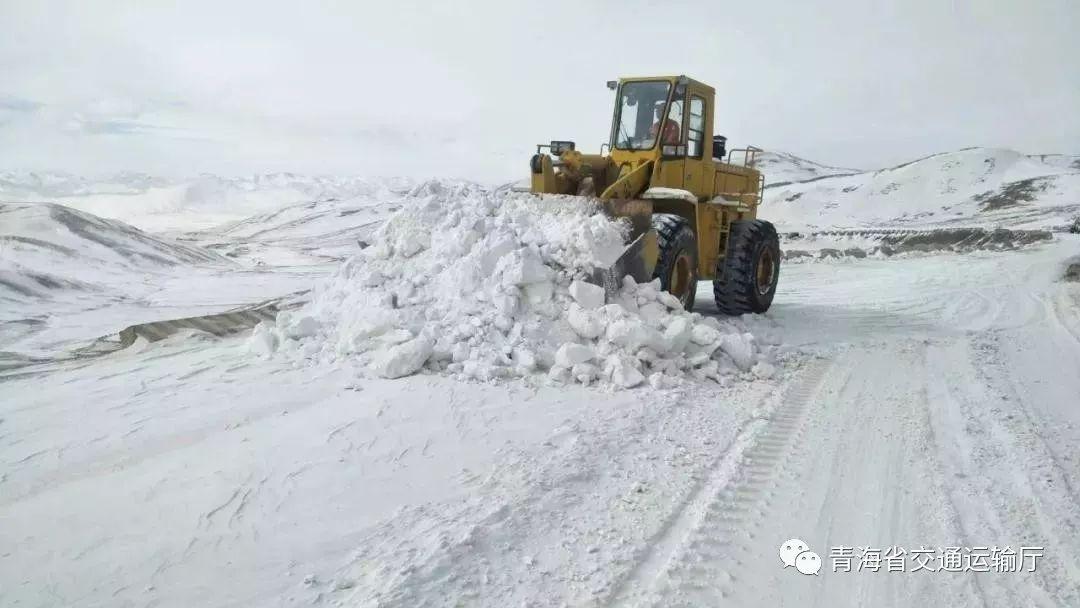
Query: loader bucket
(638,259)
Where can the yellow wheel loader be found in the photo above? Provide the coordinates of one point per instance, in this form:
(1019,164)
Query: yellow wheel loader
(693,214)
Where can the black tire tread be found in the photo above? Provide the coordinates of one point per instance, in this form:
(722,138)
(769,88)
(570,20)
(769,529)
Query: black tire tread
(674,233)
(734,289)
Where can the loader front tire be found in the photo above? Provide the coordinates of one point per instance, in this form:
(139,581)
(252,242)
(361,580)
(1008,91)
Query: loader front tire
(677,264)
(747,277)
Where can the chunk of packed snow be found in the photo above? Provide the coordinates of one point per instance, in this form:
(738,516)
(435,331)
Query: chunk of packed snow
(740,348)
(584,372)
(678,333)
(524,360)
(403,359)
(262,341)
(303,326)
(523,267)
(702,334)
(488,285)
(571,354)
(763,370)
(623,373)
(657,381)
(587,295)
(632,334)
(669,300)
(586,323)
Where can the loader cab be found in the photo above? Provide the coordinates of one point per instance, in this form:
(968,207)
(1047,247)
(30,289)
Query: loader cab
(667,120)
(639,112)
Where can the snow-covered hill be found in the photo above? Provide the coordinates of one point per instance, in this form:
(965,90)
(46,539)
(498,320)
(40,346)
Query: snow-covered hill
(974,186)
(783,168)
(47,247)
(49,227)
(68,277)
(175,205)
(977,186)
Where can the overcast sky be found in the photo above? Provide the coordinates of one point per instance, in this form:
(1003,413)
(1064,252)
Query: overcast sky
(468,88)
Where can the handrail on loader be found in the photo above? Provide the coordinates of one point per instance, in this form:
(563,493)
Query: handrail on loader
(749,156)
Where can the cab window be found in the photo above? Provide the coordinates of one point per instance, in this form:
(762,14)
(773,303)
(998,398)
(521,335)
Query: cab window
(696,130)
(641,105)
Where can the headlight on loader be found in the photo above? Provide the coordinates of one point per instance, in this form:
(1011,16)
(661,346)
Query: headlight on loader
(558,147)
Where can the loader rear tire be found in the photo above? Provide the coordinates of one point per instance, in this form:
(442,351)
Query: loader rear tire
(677,264)
(746,280)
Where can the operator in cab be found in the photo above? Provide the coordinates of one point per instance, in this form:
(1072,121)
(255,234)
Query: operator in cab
(671,128)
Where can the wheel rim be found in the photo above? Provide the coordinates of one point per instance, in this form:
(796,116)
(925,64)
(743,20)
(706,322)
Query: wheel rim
(765,272)
(681,278)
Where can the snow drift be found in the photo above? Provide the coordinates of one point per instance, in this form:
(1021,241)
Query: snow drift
(487,285)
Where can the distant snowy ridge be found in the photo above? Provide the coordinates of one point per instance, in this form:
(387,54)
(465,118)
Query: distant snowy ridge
(45,247)
(176,205)
(781,168)
(973,186)
(59,184)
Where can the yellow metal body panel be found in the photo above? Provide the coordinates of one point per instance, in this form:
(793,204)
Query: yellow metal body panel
(726,191)
(630,183)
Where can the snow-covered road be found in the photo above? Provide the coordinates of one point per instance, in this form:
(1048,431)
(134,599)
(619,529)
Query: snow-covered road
(944,415)
(935,402)
(936,406)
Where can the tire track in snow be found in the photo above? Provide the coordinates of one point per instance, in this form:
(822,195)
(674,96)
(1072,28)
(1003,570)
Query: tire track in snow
(709,521)
(1064,316)
(1013,484)
(1049,479)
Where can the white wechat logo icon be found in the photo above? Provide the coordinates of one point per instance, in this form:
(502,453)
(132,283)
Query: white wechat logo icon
(808,562)
(795,552)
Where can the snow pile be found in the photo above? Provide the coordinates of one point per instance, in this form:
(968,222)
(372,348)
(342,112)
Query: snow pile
(486,285)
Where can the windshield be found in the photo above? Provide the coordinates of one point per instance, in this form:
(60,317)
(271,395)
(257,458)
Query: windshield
(640,108)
